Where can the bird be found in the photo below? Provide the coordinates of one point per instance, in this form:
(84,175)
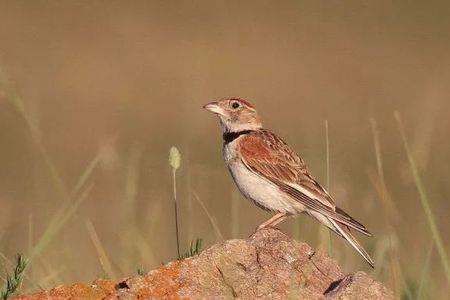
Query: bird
(270,174)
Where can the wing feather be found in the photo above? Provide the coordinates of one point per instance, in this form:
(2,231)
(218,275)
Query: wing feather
(270,157)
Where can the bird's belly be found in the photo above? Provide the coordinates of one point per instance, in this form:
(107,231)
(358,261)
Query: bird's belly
(263,192)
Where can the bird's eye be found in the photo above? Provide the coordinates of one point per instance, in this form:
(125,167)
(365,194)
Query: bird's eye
(235,105)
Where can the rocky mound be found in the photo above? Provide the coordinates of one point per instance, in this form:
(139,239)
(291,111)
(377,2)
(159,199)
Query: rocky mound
(268,265)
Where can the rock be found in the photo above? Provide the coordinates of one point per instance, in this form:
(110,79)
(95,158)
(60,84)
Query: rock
(268,265)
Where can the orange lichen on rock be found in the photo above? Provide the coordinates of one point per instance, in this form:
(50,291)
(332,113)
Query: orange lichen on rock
(268,265)
(76,291)
(164,280)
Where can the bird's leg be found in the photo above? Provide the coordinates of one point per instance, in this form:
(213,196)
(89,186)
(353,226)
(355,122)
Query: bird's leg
(279,217)
(279,220)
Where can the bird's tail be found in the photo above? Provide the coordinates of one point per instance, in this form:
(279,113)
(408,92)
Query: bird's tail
(344,231)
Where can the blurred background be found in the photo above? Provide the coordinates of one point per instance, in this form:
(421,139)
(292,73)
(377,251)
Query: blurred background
(94,94)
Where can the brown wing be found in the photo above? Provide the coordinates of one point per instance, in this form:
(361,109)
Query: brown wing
(269,156)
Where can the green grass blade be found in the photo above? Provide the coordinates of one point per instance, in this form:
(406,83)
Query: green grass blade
(194,249)
(210,217)
(85,175)
(26,276)
(425,201)
(425,272)
(101,253)
(66,210)
(14,281)
(327,147)
(390,209)
(57,224)
(17,102)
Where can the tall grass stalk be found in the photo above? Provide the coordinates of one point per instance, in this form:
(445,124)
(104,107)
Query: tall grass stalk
(17,102)
(30,239)
(390,215)
(101,253)
(85,175)
(174,160)
(327,153)
(66,197)
(132,175)
(145,251)
(425,272)
(391,211)
(210,217)
(30,232)
(189,211)
(130,209)
(57,223)
(138,252)
(388,245)
(67,209)
(425,201)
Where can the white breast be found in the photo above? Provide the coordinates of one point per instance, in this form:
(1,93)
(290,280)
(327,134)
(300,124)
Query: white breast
(256,188)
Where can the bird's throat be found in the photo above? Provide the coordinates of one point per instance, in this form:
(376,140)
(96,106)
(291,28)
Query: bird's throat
(228,137)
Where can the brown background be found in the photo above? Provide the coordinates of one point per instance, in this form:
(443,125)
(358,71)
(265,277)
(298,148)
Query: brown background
(126,81)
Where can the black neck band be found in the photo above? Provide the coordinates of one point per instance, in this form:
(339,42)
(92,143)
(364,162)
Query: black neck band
(228,137)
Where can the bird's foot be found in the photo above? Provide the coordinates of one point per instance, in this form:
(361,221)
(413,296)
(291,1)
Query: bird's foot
(279,217)
(262,226)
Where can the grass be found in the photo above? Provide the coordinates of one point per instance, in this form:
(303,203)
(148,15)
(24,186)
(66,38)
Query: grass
(390,259)
(325,235)
(57,223)
(101,252)
(71,201)
(36,135)
(390,210)
(425,201)
(195,248)
(214,224)
(174,160)
(327,147)
(424,276)
(401,283)
(14,281)
(141,272)
(134,244)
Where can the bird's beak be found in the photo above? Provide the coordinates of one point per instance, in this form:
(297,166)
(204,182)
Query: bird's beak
(214,108)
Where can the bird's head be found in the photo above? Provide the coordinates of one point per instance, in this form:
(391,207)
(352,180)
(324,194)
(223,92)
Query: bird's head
(235,114)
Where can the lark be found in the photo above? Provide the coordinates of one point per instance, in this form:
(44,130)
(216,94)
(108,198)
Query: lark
(270,174)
